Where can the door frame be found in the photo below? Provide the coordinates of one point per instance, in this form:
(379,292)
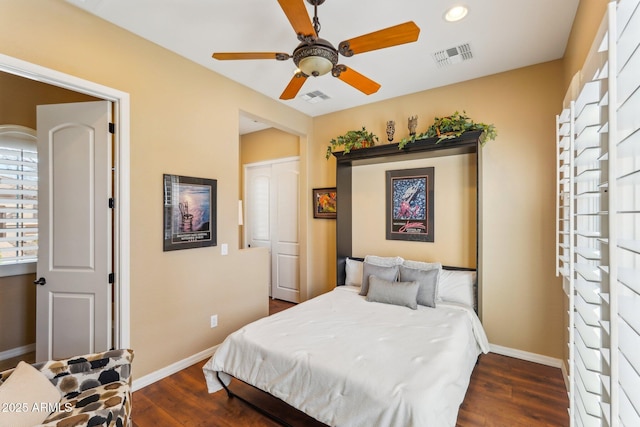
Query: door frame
(121,189)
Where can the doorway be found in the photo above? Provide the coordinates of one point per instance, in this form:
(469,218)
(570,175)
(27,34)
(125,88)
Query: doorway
(121,220)
(261,146)
(272,201)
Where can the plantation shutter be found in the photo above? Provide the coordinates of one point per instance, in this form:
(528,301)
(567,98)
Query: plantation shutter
(626,177)
(598,224)
(18,195)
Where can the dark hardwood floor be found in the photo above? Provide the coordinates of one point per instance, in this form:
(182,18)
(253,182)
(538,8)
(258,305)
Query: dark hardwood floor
(13,361)
(504,392)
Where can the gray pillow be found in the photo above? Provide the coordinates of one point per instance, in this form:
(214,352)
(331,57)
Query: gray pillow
(386,273)
(396,293)
(428,281)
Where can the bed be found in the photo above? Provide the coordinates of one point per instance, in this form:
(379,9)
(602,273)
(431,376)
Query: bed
(350,359)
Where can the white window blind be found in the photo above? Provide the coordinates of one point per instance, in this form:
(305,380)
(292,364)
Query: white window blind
(18,195)
(598,224)
(626,34)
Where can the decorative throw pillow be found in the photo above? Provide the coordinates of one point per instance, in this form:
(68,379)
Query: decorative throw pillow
(427,281)
(396,293)
(457,286)
(353,271)
(386,273)
(23,394)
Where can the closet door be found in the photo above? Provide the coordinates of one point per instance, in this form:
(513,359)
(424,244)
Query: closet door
(273,208)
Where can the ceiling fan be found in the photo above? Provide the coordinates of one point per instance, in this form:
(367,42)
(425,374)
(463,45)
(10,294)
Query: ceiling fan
(315,56)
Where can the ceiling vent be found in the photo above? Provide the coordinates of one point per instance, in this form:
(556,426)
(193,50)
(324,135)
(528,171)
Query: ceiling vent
(314,97)
(453,55)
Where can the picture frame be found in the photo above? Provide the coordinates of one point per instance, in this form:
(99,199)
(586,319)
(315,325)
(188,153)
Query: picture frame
(190,212)
(410,204)
(325,203)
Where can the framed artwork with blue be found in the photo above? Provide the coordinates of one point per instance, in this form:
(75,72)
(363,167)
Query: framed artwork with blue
(189,212)
(410,204)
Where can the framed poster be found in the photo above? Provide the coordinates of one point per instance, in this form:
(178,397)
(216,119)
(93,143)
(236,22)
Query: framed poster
(189,212)
(324,203)
(409,204)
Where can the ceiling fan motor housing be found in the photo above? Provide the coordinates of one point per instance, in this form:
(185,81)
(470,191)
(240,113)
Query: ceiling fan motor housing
(316,58)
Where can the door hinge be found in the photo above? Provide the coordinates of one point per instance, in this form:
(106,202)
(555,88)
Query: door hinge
(112,203)
(112,128)
(112,278)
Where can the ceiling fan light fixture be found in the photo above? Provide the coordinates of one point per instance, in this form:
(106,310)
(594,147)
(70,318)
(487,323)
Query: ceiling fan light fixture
(315,65)
(315,59)
(456,13)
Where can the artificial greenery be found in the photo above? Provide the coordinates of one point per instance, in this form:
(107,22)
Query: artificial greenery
(453,126)
(352,140)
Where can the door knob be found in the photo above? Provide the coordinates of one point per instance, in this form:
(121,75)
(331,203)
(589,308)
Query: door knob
(41,281)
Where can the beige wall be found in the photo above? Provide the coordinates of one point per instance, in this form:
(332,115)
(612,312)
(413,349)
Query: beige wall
(268,144)
(455,212)
(17,311)
(521,299)
(585,26)
(20,96)
(183,121)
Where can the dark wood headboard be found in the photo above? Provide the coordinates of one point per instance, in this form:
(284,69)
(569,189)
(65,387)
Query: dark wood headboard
(342,268)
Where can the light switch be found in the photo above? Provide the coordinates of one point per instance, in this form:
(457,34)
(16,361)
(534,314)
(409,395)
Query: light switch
(224,249)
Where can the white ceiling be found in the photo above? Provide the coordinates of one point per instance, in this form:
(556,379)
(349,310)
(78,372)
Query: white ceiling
(503,35)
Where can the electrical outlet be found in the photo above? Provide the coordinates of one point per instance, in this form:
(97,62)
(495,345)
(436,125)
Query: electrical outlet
(214,320)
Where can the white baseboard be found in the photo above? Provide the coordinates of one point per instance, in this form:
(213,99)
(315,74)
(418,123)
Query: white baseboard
(525,355)
(17,351)
(565,374)
(172,369)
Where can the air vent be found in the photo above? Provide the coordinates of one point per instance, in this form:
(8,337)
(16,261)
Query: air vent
(453,55)
(314,97)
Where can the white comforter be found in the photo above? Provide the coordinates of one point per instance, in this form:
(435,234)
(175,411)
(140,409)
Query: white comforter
(349,362)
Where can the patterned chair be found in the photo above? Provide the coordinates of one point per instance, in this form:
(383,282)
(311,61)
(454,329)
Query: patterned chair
(95,389)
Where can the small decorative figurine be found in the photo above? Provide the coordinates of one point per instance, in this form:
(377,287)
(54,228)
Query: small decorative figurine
(391,129)
(413,123)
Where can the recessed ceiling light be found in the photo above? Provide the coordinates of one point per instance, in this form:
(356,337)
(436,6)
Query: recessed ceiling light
(456,13)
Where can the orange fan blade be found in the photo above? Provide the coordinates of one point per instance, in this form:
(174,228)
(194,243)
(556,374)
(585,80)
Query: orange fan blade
(392,36)
(224,56)
(294,86)
(358,81)
(298,17)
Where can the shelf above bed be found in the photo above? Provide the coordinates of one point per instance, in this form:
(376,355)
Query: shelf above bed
(421,148)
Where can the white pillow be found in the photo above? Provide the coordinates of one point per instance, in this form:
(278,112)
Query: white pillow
(457,286)
(26,389)
(353,271)
(420,265)
(383,261)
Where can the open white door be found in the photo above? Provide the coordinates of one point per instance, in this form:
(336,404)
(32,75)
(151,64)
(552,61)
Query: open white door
(285,252)
(74,296)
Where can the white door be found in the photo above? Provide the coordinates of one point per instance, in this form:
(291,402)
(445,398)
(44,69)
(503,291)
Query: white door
(285,252)
(272,204)
(74,296)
